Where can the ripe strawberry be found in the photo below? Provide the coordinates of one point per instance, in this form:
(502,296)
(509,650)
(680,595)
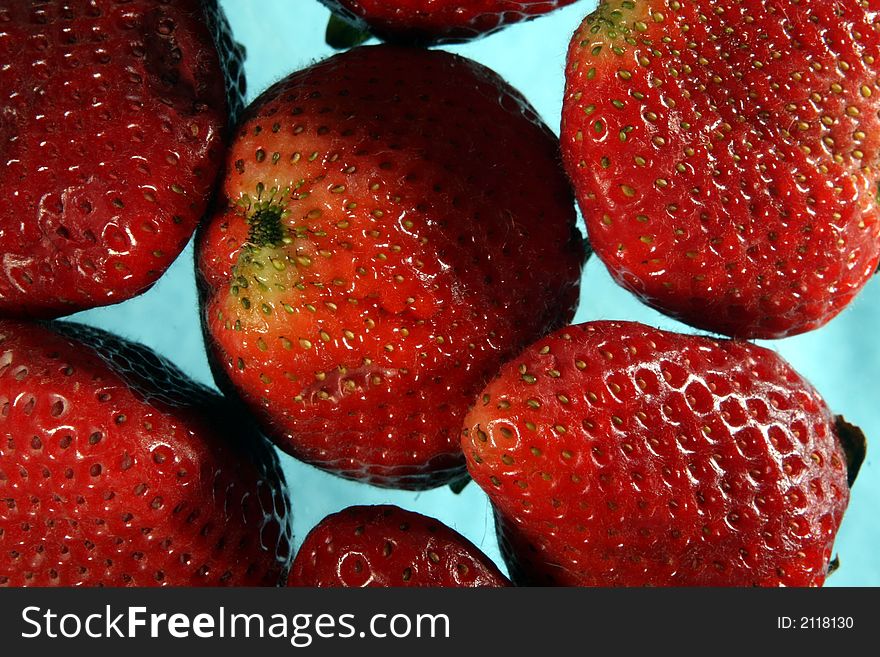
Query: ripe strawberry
(437,21)
(724,154)
(385,546)
(375,256)
(116,470)
(111,134)
(621,455)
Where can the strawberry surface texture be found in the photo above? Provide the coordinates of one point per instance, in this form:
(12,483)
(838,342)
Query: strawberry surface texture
(111,133)
(724,154)
(615,454)
(393,225)
(385,546)
(116,470)
(439,21)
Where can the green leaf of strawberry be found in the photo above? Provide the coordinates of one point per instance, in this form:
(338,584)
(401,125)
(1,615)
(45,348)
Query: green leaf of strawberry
(342,34)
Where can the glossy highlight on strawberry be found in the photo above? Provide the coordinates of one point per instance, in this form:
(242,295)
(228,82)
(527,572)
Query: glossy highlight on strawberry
(438,21)
(725,155)
(375,256)
(615,454)
(111,134)
(385,546)
(117,470)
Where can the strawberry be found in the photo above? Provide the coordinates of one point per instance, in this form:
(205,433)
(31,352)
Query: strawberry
(616,454)
(111,134)
(385,546)
(375,256)
(724,154)
(115,469)
(433,21)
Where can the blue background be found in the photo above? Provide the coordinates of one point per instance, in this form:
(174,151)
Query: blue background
(840,359)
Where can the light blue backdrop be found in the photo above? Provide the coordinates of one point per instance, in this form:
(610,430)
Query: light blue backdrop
(841,359)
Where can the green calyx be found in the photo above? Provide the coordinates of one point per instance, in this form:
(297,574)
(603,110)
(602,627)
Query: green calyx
(342,34)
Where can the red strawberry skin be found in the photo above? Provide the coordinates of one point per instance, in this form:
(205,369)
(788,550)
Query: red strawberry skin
(386,546)
(724,154)
(116,470)
(439,21)
(111,136)
(616,454)
(374,257)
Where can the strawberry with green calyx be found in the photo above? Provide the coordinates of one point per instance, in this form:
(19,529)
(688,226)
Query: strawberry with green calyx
(724,154)
(375,256)
(117,470)
(385,546)
(111,134)
(615,454)
(427,22)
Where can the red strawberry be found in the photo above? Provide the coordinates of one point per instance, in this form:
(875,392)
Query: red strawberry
(116,470)
(724,154)
(111,135)
(393,225)
(620,455)
(385,546)
(436,21)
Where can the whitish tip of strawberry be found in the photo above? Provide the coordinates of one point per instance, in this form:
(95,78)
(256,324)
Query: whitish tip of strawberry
(259,272)
(618,19)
